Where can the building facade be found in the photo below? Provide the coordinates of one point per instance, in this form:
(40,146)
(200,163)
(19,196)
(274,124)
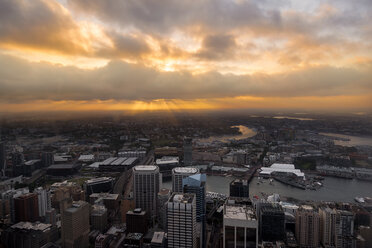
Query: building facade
(196,184)
(329,223)
(44,200)
(307,227)
(240,226)
(26,208)
(271,222)
(75,225)
(181,220)
(178,174)
(147,181)
(239,188)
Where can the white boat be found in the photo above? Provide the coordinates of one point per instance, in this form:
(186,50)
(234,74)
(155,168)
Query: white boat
(359,199)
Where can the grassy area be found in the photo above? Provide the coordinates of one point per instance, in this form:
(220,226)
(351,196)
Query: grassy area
(79,180)
(305,164)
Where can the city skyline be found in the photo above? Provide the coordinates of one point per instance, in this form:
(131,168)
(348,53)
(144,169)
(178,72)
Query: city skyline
(65,55)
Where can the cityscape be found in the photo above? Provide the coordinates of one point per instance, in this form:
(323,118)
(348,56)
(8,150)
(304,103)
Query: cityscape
(185,124)
(187,181)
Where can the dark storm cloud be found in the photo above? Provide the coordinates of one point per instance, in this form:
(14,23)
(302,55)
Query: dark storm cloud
(21,81)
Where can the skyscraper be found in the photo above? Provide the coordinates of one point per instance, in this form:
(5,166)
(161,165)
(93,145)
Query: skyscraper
(47,159)
(147,180)
(271,222)
(98,218)
(345,230)
(2,158)
(178,174)
(328,226)
(239,188)
(307,227)
(137,221)
(26,208)
(195,184)
(163,197)
(181,220)
(240,226)
(75,225)
(187,151)
(44,200)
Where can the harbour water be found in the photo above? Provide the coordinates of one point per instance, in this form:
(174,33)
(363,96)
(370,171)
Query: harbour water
(349,140)
(293,118)
(246,132)
(334,189)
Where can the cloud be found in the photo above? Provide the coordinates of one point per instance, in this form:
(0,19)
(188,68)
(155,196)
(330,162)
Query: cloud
(39,24)
(123,81)
(217,47)
(163,16)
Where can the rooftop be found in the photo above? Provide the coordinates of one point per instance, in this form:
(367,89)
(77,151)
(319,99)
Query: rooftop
(186,170)
(285,168)
(63,166)
(99,180)
(75,206)
(145,168)
(86,157)
(240,212)
(167,160)
(239,181)
(105,196)
(307,207)
(158,237)
(182,198)
(32,226)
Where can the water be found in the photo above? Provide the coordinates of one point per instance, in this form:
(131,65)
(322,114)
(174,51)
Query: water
(352,140)
(334,189)
(246,132)
(293,118)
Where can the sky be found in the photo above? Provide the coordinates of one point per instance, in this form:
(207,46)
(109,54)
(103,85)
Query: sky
(139,55)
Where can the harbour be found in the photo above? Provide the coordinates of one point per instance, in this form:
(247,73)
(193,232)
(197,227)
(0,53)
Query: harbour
(334,189)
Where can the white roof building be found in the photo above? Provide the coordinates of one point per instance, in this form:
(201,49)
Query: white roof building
(284,168)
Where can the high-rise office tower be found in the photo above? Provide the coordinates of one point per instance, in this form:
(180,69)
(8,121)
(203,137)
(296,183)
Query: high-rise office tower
(195,184)
(307,227)
(11,195)
(47,159)
(271,222)
(178,174)
(187,151)
(345,231)
(240,226)
(137,221)
(98,218)
(2,158)
(328,226)
(147,180)
(163,197)
(26,208)
(239,188)
(75,225)
(44,200)
(181,220)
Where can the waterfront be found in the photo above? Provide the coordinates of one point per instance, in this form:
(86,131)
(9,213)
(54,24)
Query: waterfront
(246,132)
(334,189)
(349,140)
